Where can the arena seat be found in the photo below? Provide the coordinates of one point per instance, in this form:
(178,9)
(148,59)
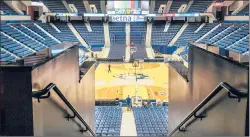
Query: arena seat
(6,57)
(140,52)
(95,38)
(21,37)
(199,6)
(224,33)
(65,35)
(176,5)
(138,32)
(239,33)
(108,120)
(117,33)
(118,40)
(207,39)
(14,47)
(33,35)
(48,40)
(151,121)
(117,51)
(241,46)
(189,34)
(55,6)
(163,38)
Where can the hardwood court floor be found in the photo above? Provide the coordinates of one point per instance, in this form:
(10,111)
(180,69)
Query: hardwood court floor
(121,81)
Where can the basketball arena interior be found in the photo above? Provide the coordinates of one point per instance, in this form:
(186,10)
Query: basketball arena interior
(124,68)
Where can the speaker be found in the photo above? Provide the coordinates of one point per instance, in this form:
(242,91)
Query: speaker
(105,19)
(87,19)
(169,19)
(150,19)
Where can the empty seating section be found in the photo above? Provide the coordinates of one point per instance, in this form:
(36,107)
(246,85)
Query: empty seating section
(157,36)
(223,34)
(230,36)
(117,33)
(95,38)
(176,4)
(242,46)
(140,52)
(47,39)
(21,37)
(205,29)
(108,120)
(151,121)
(35,35)
(163,38)
(138,32)
(6,57)
(158,3)
(137,36)
(55,6)
(233,37)
(207,39)
(117,51)
(79,5)
(188,35)
(7,10)
(200,6)
(28,32)
(65,35)
(244,11)
(14,47)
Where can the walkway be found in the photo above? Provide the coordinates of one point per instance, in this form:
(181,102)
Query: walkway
(128,127)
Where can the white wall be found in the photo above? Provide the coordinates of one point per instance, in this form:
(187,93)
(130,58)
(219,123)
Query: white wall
(17,6)
(40,4)
(11,18)
(236,18)
(235,5)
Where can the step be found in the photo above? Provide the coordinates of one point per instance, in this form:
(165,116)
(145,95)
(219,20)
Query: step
(128,127)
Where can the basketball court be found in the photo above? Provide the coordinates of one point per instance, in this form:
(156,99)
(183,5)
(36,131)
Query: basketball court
(151,83)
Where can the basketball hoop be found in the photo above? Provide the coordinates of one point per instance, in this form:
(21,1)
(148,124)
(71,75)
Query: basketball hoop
(136,63)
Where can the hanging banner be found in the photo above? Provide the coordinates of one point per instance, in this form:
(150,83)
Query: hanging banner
(127,18)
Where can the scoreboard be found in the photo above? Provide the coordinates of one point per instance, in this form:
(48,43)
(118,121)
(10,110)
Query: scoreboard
(128,7)
(128,11)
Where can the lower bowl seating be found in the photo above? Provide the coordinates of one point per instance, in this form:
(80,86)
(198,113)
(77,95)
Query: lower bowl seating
(151,121)
(108,120)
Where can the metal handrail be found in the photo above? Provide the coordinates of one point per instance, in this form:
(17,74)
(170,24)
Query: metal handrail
(230,90)
(41,94)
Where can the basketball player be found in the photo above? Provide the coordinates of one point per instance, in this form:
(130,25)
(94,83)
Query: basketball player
(129,105)
(109,68)
(132,44)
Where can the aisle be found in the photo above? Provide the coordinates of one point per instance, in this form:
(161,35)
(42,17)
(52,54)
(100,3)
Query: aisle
(128,127)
